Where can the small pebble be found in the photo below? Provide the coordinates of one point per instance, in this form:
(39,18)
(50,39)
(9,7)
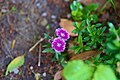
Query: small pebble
(44,74)
(53,17)
(15,71)
(44,14)
(44,22)
(68,15)
(31,67)
(38,4)
(4,10)
(13,1)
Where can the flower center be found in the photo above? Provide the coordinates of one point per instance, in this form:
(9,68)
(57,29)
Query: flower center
(62,34)
(58,44)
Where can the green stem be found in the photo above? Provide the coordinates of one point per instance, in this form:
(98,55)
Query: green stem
(106,3)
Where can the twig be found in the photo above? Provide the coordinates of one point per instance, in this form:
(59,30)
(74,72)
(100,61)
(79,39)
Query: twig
(39,61)
(36,44)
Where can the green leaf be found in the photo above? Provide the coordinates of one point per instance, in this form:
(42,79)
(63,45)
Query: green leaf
(75,24)
(56,56)
(111,46)
(80,40)
(104,72)
(98,25)
(112,28)
(92,7)
(103,29)
(77,50)
(77,70)
(75,31)
(15,63)
(13,8)
(113,4)
(74,13)
(47,45)
(46,36)
(117,56)
(74,47)
(94,18)
(96,59)
(82,25)
(47,50)
(88,22)
(116,43)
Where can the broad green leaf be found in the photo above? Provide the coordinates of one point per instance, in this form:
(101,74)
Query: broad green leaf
(15,63)
(104,72)
(77,70)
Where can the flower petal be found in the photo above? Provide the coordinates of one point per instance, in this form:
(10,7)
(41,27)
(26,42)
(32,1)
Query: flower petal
(58,44)
(62,33)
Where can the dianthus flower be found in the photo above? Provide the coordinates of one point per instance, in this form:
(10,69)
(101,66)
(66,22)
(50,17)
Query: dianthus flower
(62,33)
(58,44)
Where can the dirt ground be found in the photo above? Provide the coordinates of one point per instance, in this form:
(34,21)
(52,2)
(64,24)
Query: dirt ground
(26,25)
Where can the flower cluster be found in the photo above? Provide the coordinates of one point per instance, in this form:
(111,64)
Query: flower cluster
(58,44)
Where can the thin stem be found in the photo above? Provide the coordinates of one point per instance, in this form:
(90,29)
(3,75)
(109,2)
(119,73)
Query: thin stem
(36,44)
(106,3)
(39,61)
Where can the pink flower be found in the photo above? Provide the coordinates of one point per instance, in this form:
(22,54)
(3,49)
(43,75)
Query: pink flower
(62,33)
(58,44)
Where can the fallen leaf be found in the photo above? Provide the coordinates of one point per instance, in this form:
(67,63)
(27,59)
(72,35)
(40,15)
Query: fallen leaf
(15,63)
(86,55)
(58,75)
(67,25)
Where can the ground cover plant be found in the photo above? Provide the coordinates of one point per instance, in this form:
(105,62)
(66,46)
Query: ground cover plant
(37,45)
(92,36)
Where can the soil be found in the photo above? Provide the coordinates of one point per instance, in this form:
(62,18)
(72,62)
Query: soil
(26,25)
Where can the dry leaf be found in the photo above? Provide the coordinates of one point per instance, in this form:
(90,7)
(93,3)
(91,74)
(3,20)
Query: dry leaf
(67,25)
(86,55)
(58,75)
